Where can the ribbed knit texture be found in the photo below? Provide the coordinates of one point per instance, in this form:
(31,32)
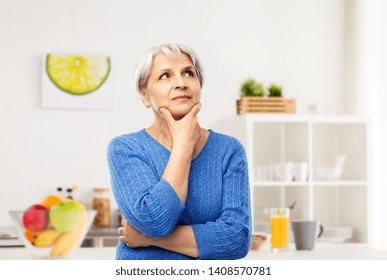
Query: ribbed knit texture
(218,201)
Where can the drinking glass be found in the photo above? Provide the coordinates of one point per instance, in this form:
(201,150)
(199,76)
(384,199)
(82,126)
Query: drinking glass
(279,227)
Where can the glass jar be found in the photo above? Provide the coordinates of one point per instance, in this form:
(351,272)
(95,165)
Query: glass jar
(101,203)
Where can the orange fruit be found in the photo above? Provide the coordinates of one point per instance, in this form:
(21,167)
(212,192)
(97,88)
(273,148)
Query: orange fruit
(29,234)
(51,200)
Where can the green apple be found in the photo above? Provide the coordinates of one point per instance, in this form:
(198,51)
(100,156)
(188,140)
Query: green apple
(65,216)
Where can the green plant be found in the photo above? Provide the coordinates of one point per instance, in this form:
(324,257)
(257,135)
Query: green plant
(274,90)
(250,87)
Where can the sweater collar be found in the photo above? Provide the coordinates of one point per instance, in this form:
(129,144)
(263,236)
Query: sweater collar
(197,158)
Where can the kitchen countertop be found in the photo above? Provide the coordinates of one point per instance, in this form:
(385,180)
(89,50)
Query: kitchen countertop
(323,251)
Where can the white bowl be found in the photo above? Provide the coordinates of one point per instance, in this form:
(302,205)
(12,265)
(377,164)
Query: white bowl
(52,243)
(329,173)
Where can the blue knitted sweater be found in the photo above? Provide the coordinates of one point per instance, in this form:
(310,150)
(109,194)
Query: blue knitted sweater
(218,200)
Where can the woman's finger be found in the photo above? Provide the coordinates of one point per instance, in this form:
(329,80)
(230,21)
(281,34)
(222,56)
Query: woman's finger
(167,116)
(121,230)
(122,239)
(195,110)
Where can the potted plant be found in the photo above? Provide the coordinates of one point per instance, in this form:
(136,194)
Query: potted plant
(253,99)
(251,87)
(274,90)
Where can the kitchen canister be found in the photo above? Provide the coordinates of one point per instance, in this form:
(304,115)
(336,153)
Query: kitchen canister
(101,203)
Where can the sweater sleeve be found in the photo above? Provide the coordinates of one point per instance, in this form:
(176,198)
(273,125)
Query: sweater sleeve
(148,202)
(229,236)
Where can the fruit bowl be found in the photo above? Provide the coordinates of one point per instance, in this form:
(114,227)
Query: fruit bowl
(53,233)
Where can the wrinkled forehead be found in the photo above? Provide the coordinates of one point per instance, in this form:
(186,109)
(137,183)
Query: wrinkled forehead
(168,60)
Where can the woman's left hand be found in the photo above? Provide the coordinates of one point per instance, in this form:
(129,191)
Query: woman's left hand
(132,237)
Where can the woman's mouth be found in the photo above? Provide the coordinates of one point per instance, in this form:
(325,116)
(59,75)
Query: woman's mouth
(181,97)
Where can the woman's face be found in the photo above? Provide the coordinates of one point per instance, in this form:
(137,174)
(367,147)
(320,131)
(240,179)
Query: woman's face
(172,84)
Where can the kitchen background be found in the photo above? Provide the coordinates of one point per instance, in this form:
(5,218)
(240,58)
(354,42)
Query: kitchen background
(328,54)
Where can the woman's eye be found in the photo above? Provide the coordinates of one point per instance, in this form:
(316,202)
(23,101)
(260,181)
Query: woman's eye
(164,76)
(188,73)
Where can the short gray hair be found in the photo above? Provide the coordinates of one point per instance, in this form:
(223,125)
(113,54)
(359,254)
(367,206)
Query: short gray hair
(141,74)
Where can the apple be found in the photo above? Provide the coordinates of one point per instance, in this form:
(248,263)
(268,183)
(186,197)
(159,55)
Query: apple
(35,218)
(65,216)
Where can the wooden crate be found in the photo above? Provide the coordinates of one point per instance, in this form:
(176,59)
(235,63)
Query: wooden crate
(266,105)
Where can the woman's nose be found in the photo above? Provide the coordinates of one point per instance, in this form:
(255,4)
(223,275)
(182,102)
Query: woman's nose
(180,83)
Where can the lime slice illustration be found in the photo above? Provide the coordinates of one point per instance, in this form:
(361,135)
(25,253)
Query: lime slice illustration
(77,75)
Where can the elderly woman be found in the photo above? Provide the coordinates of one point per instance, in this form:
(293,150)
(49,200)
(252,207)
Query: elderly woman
(182,189)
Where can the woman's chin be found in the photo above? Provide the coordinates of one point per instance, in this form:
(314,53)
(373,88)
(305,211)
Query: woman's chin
(179,113)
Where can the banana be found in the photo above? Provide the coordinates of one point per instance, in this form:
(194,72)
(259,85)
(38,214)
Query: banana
(45,238)
(69,240)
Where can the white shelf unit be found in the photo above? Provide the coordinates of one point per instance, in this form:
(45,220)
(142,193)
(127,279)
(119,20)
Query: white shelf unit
(273,138)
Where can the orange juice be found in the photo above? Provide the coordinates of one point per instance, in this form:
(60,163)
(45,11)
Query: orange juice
(279,225)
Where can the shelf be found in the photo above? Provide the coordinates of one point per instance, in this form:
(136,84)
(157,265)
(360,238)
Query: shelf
(312,183)
(298,118)
(340,183)
(280,184)
(279,139)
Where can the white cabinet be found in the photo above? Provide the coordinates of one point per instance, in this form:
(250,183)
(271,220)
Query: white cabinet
(320,142)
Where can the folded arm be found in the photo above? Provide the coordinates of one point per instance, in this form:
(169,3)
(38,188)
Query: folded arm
(149,203)
(181,240)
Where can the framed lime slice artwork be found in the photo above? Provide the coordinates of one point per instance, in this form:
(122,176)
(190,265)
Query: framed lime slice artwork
(76,74)
(77,81)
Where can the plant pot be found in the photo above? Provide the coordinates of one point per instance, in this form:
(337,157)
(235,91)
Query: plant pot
(255,104)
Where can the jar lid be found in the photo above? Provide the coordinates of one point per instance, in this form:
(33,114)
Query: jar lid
(100,189)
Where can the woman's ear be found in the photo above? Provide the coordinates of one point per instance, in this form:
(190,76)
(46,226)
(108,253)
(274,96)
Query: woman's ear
(146,99)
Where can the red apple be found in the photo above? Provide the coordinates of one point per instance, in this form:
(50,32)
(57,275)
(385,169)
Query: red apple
(35,218)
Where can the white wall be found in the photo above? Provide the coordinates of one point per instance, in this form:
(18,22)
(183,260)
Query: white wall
(298,44)
(365,87)
(380,194)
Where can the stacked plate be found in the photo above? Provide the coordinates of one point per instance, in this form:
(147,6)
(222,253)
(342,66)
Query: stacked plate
(336,234)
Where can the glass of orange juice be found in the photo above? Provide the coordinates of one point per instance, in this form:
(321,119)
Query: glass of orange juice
(279,227)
